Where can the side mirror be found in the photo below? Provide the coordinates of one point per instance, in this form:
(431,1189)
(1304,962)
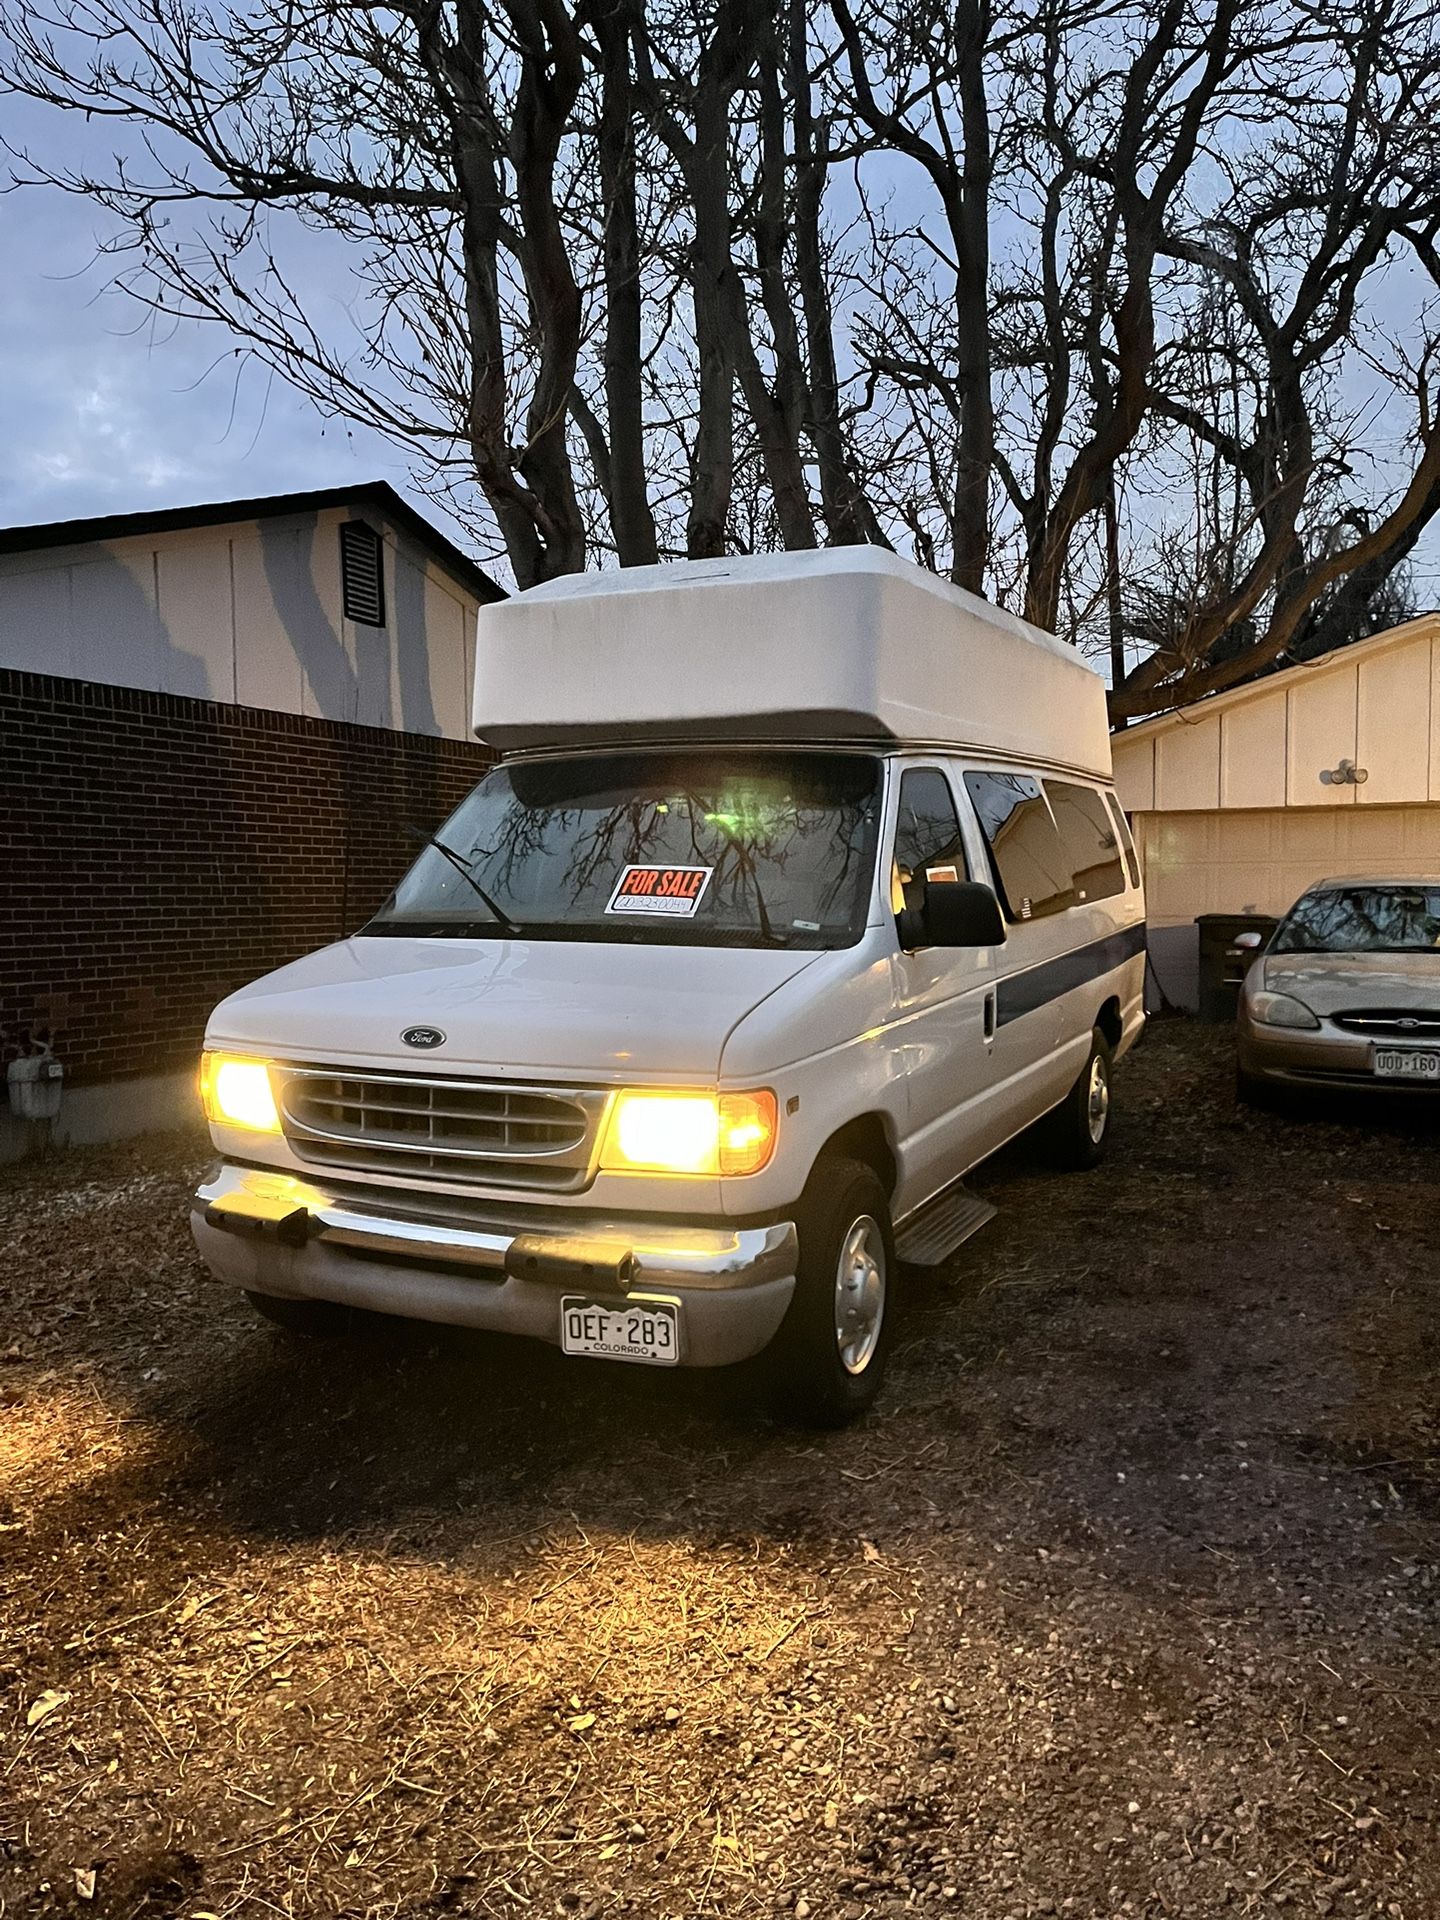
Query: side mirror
(954,913)
(1248,942)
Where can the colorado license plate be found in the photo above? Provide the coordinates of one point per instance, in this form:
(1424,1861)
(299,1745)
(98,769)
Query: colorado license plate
(646,1331)
(1406,1063)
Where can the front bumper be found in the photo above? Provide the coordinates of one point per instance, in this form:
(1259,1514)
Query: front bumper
(1315,1057)
(503,1272)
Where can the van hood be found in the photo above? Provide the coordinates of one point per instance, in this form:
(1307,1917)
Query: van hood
(1334,982)
(598,1010)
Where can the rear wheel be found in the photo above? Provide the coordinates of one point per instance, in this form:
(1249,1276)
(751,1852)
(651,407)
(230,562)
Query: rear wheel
(315,1319)
(1078,1131)
(827,1362)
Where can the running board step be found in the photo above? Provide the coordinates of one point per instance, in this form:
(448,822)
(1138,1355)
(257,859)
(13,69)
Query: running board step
(942,1226)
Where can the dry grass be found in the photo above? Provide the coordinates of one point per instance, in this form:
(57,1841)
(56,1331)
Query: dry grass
(1124,1604)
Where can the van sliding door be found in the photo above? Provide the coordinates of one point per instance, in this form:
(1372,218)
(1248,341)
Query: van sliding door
(1035,880)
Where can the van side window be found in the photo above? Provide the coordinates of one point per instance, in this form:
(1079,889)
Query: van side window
(1132,859)
(927,830)
(1032,868)
(1090,839)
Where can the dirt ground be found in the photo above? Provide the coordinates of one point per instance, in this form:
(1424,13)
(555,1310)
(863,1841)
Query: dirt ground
(1123,1603)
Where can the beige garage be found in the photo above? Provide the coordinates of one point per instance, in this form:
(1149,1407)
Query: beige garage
(1239,803)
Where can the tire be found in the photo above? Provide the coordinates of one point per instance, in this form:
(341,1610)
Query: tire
(846,1240)
(315,1319)
(1077,1132)
(1259,1095)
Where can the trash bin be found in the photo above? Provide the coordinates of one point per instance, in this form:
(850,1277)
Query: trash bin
(1221,968)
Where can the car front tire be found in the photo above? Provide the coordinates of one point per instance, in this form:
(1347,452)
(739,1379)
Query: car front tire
(1261,1095)
(827,1363)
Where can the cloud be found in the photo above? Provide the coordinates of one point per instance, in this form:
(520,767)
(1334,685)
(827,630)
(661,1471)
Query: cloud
(105,410)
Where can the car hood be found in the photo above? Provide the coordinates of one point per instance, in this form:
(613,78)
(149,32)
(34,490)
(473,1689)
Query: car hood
(601,1010)
(1335,982)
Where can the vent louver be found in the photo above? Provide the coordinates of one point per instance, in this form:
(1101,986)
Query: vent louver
(362,578)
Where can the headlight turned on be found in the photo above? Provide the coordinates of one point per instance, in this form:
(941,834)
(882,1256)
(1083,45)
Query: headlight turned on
(1280,1010)
(237,1093)
(697,1133)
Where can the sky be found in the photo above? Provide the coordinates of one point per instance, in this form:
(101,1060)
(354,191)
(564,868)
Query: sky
(100,414)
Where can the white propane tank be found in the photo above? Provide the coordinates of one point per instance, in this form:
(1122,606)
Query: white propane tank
(35,1082)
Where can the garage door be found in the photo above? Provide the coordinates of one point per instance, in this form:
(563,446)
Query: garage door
(1261,862)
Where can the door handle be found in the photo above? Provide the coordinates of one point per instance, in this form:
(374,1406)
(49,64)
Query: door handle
(989,1016)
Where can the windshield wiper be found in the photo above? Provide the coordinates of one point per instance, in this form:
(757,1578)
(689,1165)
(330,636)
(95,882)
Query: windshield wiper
(460,866)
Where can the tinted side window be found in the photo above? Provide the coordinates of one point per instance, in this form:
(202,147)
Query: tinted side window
(1132,859)
(927,831)
(1090,839)
(1032,867)
(927,827)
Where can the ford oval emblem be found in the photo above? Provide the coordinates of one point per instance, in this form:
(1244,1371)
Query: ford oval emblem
(423,1037)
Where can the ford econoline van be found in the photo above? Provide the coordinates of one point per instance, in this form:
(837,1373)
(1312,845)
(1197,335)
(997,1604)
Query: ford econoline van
(798,889)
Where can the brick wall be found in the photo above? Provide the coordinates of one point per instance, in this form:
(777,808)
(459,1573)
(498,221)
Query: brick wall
(156,853)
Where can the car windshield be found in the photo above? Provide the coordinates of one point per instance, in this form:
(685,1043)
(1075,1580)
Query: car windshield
(1392,919)
(701,848)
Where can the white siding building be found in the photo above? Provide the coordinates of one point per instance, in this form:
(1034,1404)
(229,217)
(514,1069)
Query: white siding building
(244,603)
(1240,802)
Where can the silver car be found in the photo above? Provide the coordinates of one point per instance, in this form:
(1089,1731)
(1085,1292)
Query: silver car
(1346,992)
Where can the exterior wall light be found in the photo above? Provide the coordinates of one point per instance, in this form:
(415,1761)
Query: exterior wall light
(1347,774)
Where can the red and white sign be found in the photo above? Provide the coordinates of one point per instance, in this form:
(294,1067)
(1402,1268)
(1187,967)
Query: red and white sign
(673,892)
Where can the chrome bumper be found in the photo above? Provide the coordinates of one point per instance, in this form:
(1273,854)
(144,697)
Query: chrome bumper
(277,1234)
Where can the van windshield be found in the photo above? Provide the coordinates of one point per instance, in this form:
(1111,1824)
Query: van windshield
(706,848)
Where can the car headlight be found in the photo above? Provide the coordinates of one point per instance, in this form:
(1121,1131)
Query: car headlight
(705,1133)
(237,1093)
(1280,1010)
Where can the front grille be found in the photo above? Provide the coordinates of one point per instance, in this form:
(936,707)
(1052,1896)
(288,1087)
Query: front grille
(487,1132)
(1390,1023)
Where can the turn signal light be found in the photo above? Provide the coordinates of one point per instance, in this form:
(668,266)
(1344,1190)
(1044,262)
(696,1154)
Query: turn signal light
(237,1093)
(748,1123)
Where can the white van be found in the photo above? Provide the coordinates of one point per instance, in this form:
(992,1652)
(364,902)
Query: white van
(800,887)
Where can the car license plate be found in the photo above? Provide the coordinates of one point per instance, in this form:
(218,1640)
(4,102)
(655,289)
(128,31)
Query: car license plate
(646,1331)
(1406,1063)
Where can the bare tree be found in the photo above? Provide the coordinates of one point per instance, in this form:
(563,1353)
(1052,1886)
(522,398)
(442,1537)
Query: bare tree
(917,87)
(1017,286)
(427,140)
(1195,207)
(1347,187)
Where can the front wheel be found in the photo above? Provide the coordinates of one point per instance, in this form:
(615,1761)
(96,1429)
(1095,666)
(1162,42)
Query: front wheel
(828,1359)
(1078,1131)
(1263,1095)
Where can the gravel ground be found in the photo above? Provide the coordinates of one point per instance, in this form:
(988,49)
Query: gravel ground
(1123,1603)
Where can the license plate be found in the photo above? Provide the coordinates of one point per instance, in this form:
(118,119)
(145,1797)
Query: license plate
(645,1331)
(1406,1063)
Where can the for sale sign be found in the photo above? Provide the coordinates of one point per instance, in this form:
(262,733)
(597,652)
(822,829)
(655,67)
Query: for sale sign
(673,892)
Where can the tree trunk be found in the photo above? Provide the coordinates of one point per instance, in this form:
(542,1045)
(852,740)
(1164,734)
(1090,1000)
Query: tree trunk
(549,82)
(631,521)
(970,227)
(849,518)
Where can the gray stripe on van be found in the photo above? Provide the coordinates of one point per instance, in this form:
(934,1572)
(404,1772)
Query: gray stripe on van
(1022,993)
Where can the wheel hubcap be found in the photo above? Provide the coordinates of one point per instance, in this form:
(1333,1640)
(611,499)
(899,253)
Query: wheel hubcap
(860,1294)
(1097,1102)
